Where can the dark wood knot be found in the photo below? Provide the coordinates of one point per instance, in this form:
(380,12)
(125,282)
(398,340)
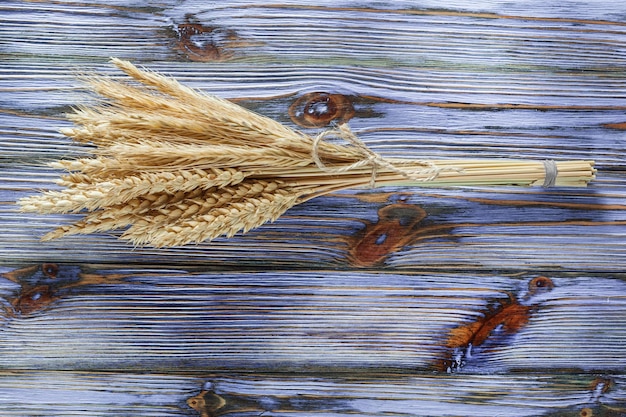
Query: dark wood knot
(50,270)
(207,403)
(205,43)
(34,299)
(320,109)
(539,284)
(396,227)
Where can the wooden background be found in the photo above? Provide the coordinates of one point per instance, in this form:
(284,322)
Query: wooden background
(398,301)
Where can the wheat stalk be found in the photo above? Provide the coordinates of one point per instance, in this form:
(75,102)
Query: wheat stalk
(175,166)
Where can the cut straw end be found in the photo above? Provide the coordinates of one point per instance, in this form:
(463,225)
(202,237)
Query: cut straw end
(513,172)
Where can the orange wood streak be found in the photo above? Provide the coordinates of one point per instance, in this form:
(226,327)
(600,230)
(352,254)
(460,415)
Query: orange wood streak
(511,316)
(539,284)
(463,335)
(511,106)
(601,385)
(367,253)
(18,274)
(617,126)
(374,197)
(529,203)
(495,106)
(34,295)
(441,12)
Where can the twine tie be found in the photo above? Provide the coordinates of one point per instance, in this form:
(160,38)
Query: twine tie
(552,172)
(430,172)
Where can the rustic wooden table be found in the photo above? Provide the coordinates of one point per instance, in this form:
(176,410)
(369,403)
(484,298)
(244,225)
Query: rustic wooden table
(401,301)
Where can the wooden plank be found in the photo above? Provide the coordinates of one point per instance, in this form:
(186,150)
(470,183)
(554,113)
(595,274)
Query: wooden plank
(422,395)
(396,114)
(418,37)
(357,229)
(598,210)
(149,394)
(402,301)
(39,393)
(81,31)
(60,316)
(539,105)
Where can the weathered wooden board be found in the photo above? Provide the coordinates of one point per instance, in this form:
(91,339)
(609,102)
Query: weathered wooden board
(573,232)
(107,394)
(403,301)
(95,394)
(83,319)
(530,103)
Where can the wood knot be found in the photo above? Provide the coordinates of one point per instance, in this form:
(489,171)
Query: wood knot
(508,317)
(600,386)
(320,109)
(207,403)
(34,299)
(396,227)
(539,285)
(205,43)
(50,270)
(586,412)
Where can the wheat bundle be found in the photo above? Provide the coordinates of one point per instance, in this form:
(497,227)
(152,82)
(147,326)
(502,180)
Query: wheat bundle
(174,166)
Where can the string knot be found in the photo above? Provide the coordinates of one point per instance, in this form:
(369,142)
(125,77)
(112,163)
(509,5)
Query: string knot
(373,159)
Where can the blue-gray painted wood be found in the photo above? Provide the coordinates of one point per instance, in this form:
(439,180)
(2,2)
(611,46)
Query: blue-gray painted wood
(138,331)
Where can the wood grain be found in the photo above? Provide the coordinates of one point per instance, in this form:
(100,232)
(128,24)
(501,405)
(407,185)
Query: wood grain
(454,232)
(401,301)
(309,320)
(106,394)
(406,395)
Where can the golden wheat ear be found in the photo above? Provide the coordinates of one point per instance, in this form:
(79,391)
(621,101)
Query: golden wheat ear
(174,166)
